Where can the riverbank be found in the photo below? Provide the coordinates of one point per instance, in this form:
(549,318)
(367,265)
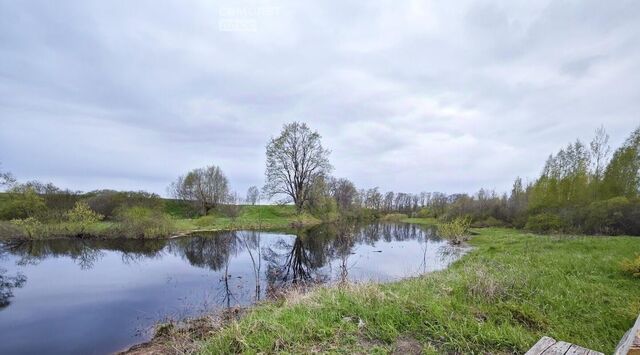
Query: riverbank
(249,217)
(509,291)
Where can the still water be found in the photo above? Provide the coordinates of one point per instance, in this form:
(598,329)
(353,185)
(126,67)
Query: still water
(73,296)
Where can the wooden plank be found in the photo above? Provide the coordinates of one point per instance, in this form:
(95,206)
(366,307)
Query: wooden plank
(591,352)
(543,344)
(558,348)
(577,350)
(630,342)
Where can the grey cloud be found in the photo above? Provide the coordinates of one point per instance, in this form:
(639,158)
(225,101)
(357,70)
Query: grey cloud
(409,96)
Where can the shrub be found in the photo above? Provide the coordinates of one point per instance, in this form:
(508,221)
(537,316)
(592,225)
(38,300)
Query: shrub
(10,230)
(143,222)
(81,216)
(423,213)
(631,266)
(607,216)
(545,222)
(394,217)
(23,204)
(108,202)
(456,230)
(30,225)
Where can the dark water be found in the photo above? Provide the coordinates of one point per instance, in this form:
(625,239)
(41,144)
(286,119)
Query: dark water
(94,297)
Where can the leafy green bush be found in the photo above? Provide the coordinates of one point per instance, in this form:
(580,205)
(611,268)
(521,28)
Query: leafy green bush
(143,222)
(612,216)
(394,217)
(108,202)
(545,222)
(631,266)
(424,213)
(456,230)
(22,204)
(81,216)
(30,226)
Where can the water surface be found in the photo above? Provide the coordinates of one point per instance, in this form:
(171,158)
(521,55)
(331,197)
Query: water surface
(99,296)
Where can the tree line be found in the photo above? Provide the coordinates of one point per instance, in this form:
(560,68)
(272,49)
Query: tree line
(582,188)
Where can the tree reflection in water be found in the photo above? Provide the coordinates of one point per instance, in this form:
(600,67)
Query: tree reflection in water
(303,259)
(7,284)
(253,243)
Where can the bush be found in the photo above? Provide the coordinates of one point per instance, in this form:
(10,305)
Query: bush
(394,217)
(22,205)
(545,222)
(607,216)
(108,202)
(9,230)
(631,266)
(456,231)
(423,213)
(143,222)
(31,227)
(81,216)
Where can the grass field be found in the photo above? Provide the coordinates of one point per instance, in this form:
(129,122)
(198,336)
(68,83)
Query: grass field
(250,217)
(509,291)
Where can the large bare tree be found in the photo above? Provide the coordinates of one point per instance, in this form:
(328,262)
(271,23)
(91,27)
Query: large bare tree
(206,187)
(294,160)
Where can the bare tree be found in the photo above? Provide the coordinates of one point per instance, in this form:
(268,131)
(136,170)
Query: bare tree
(253,195)
(344,192)
(206,187)
(294,160)
(600,151)
(6,179)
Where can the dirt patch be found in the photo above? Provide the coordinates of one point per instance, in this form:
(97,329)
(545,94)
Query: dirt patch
(183,337)
(407,345)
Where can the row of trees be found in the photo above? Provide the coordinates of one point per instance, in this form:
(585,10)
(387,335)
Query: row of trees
(582,188)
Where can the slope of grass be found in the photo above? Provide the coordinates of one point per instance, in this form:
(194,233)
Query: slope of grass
(250,217)
(502,297)
(427,221)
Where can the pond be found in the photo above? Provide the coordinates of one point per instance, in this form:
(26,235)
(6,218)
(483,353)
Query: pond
(100,296)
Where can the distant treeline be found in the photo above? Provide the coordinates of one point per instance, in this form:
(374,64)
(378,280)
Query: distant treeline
(583,189)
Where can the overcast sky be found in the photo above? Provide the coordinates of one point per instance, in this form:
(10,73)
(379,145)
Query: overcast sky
(408,95)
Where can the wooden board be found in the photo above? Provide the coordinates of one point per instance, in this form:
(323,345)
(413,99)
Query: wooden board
(543,344)
(630,343)
(549,346)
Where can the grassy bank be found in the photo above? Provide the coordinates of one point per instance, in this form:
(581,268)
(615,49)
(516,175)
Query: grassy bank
(250,217)
(145,224)
(509,291)
(425,221)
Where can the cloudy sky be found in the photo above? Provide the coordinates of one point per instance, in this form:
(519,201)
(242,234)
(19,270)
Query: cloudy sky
(408,95)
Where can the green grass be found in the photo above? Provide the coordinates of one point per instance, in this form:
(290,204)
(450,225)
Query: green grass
(502,297)
(250,217)
(427,221)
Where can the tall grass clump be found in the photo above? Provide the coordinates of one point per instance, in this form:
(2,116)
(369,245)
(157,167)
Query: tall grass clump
(631,266)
